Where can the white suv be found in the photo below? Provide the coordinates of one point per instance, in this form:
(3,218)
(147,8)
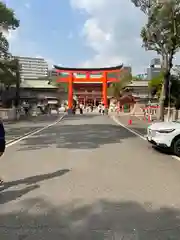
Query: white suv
(165,135)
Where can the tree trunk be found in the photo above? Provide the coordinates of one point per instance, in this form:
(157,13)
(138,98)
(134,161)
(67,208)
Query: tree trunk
(176,114)
(163,92)
(161,103)
(166,66)
(168,81)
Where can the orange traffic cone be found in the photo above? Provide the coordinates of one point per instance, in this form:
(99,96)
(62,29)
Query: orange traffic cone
(130,121)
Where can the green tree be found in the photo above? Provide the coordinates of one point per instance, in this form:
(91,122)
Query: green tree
(117,89)
(175,91)
(9,66)
(8,22)
(10,76)
(8,73)
(162,34)
(173,96)
(60,85)
(144,5)
(155,85)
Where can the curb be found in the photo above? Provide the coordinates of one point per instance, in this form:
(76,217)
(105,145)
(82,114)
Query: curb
(127,128)
(31,132)
(137,134)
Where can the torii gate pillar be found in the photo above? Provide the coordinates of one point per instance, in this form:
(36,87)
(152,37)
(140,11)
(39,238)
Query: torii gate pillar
(104,90)
(70,93)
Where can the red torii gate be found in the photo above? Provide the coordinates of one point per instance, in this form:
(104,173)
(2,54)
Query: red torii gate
(104,79)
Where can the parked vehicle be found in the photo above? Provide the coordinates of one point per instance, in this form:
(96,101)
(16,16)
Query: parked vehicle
(165,135)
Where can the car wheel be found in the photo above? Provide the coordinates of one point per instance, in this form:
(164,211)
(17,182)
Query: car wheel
(176,147)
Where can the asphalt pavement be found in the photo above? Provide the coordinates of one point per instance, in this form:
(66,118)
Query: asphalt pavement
(88,178)
(137,125)
(14,130)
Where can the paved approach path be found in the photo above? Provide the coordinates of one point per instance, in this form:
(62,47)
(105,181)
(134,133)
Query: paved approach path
(17,129)
(88,178)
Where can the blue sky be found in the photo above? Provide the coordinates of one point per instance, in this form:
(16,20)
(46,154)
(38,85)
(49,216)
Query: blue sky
(49,30)
(91,33)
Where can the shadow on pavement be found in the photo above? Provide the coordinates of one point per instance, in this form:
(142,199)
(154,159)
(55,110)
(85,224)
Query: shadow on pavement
(98,221)
(36,179)
(86,136)
(10,195)
(166,151)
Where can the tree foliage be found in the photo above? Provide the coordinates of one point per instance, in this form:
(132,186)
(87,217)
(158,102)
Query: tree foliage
(116,89)
(8,19)
(155,85)
(9,69)
(8,22)
(8,65)
(144,5)
(161,33)
(62,86)
(175,90)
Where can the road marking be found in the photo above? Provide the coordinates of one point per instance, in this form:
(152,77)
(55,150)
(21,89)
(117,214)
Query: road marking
(27,135)
(130,130)
(137,134)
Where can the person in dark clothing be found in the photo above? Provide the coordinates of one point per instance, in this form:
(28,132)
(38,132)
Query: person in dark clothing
(92,107)
(81,108)
(2,142)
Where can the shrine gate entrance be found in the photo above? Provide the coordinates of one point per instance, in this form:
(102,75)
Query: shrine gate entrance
(87,76)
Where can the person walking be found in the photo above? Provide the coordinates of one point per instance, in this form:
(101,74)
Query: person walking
(2,143)
(99,108)
(103,109)
(92,107)
(81,108)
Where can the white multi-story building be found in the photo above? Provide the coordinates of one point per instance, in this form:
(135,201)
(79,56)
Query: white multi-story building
(32,68)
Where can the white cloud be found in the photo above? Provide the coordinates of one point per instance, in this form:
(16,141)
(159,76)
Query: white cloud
(112,31)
